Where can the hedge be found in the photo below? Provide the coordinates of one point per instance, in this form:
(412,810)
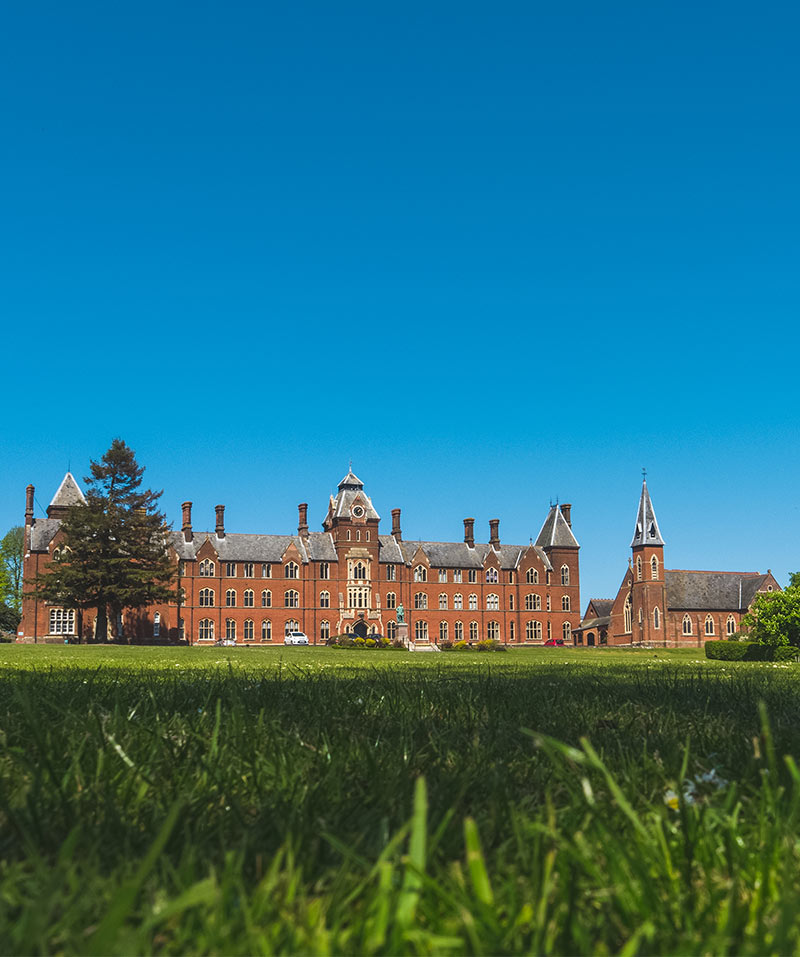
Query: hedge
(750,651)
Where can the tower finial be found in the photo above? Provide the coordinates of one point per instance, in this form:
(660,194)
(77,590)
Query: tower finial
(644,475)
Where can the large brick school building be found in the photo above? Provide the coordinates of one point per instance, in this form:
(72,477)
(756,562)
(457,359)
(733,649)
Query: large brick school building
(347,578)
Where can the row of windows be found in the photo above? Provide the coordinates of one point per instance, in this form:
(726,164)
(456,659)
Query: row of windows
(207,569)
(359,597)
(532,602)
(653,568)
(492,575)
(533,631)
(686,627)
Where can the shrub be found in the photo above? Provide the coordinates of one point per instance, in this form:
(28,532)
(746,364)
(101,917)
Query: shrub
(446,645)
(358,642)
(398,645)
(461,646)
(490,644)
(384,642)
(749,651)
(371,643)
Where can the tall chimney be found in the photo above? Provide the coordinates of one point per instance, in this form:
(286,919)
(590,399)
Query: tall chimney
(565,511)
(187,521)
(28,516)
(469,532)
(494,531)
(396,524)
(220,510)
(302,520)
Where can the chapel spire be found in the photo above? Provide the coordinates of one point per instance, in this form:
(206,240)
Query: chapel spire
(647,531)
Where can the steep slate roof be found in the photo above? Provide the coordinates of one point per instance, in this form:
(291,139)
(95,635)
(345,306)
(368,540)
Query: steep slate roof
(351,488)
(603,606)
(646,531)
(68,493)
(43,531)
(460,555)
(711,591)
(237,547)
(390,552)
(556,532)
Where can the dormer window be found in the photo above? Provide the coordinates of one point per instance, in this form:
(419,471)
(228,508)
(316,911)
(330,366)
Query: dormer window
(491,576)
(420,573)
(652,531)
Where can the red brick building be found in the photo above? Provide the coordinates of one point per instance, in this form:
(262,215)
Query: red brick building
(670,607)
(347,578)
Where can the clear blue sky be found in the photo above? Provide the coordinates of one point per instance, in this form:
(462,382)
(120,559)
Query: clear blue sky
(494,253)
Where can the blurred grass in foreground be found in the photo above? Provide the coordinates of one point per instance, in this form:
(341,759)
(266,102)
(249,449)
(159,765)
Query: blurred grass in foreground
(318,801)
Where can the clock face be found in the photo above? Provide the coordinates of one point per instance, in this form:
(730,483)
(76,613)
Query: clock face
(358,511)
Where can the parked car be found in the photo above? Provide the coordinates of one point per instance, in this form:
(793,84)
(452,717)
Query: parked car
(295,638)
(554,641)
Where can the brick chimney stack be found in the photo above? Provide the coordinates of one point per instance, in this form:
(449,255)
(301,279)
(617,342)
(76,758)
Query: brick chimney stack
(220,510)
(565,511)
(494,532)
(302,520)
(469,532)
(187,521)
(28,516)
(396,524)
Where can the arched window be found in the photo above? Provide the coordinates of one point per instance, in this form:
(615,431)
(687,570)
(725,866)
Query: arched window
(638,568)
(654,568)
(391,600)
(687,625)
(565,605)
(324,599)
(248,630)
(266,630)
(458,602)
(230,629)
(532,576)
(359,571)
(458,631)
(420,573)
(566,632)
(511,602)
(205,631)
(473,602)
(442,631)
(709,625)
(491,576)
(533,602)
(291,625)
(206,569)
(473,631)
(533,631)
(324,630)
(157,624)
(206,598)
(420,630)
(420,600)
(565,574)
(627,614)
(291,599)
(730,625)
(443,601)
(391,630)
(492,602)
(493,630)
(230,598)
(290,570)
(266,598)
(656,618)
(249,598)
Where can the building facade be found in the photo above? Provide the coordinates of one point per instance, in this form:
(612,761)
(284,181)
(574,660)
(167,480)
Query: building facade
(346,579)
(669,607)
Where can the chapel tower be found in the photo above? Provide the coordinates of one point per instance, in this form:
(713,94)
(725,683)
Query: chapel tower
(648,598)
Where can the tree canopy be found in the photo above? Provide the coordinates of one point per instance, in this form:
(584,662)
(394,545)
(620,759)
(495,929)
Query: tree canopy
(12,548)
(115,551)
(774,618)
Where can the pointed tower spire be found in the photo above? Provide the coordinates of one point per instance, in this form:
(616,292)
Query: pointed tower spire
(647,531)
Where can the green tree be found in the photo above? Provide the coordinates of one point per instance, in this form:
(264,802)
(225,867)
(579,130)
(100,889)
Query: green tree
(116,553)
(12,549)
(774,618)
(9,619)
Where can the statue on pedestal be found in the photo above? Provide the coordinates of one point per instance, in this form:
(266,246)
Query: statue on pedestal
(401,613)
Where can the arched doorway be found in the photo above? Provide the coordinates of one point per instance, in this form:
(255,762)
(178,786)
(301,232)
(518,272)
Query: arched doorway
(360,628)
(590,638)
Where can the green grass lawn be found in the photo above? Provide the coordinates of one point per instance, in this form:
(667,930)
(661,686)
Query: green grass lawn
(294,800)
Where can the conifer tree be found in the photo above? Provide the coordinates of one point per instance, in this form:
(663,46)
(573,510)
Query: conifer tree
(116,550)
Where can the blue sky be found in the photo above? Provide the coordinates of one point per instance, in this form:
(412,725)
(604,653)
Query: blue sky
(496,254)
